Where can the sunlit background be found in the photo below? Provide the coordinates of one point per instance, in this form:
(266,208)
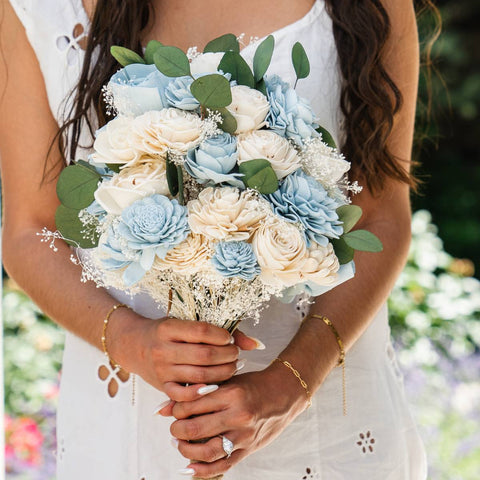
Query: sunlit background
(434,309)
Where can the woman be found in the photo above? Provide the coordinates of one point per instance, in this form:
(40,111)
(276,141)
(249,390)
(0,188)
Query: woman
(364,58)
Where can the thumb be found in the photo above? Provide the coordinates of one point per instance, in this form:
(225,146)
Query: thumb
(247,343)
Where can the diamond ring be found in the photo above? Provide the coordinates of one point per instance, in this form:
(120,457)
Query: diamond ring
(227,445)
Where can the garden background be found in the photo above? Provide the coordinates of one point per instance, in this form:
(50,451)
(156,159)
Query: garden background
(434,309)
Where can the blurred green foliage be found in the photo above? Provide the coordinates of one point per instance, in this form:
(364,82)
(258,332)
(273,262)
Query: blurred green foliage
(450,162)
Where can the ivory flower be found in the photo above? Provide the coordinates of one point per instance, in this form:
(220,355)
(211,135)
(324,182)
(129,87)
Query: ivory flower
(155,132)
(131,184)
(321,266)
(206,63)
(225,214)
(249,107)
(266,144)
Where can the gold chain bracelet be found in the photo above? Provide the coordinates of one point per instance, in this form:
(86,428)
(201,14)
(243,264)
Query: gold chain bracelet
(113,363)
(341,360)
(302,381)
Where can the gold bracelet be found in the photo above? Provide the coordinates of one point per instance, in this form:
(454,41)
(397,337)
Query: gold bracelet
(112,362)
(341,360)
(302,381)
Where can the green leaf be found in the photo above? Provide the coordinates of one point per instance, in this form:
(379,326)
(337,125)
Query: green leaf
(327,137)
(229,124)
(349,215)
(224,43)
(73,230)
(152,47)
(181,198)
(261,87)
(259,175)
(171,61)
(363,240)
(125,56)
(300,61)
(172,177)
(343,252)
(115,167)
(234,64)
(76,186)
(212,91)
(263,57)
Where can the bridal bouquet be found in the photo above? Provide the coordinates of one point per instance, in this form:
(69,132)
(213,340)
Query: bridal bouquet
(213,187)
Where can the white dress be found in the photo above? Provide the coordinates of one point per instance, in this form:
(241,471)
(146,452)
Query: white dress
(105,437)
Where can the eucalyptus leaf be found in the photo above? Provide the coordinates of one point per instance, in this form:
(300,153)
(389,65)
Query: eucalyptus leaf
(251,167)
(125,56)
(363,240)
(229,124)
(238,68)
(212,91)
(349,215)
(300,61)
(181,197)
(172,177)
(115,167)
(343,252)
(73,230)
(225,43)
(327,137)
(263,57)
(152,47)
(259,175)
(76,186)
(261,87)
(171,61)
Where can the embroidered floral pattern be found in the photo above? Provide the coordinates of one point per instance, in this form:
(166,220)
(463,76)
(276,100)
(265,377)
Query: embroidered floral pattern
(112,377)
(71,44)
(366,442)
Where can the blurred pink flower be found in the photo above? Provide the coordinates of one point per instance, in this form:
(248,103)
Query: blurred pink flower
(23,440)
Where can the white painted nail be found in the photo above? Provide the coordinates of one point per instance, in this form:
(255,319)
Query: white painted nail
(232,340)
(260,344)
(161,406)
(207,389)
(240,365)
(187,471)
(174,442)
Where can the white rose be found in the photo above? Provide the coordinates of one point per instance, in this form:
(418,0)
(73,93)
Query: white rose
(249,107)
(206,63)
(113,143)
(155,132)
(132,184)
(267,144)
(322,265)
(225,214)
(188,257)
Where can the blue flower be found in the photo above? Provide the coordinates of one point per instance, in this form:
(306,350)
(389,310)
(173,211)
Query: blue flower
(139,88)
(148,227)
(301,198)
(290,115)
(213,160)
(178,94)
(235,259)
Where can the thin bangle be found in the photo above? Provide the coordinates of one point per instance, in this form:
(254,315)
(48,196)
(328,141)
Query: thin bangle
(297,374)
(112,362)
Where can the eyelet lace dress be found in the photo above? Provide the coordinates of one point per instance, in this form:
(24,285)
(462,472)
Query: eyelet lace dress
(105,434)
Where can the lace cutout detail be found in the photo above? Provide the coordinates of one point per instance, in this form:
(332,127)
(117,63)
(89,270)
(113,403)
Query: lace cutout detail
(106,374)
(309,474)
(366,442)
(73,43)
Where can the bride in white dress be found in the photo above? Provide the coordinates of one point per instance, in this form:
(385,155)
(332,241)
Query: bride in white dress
(108,422)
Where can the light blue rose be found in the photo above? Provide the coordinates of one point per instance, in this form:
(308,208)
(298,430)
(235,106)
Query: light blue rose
(290,115)
(235,259)
(148,227)
(301,198)
(178,94)
(139,88)
(213,160)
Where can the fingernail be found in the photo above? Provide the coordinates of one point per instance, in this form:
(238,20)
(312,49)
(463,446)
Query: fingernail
(187,471)
(207,389)
(232,340)
(161,406)
(240,365)
(174,442)
(260,344)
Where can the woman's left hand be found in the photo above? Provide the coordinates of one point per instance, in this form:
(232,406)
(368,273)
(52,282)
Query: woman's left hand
(250,410)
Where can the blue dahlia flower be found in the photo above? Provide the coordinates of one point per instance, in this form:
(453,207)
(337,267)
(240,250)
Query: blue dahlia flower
(235,259)
(301,198)
(178,94)
(213,160)
(290,115)
(148,227)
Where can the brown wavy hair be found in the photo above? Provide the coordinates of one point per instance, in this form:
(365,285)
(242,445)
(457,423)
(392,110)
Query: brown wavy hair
(369,98)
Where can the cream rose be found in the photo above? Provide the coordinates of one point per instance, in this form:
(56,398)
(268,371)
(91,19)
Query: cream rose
(131,184)
(225,214)
(155,132)
(206,63)
(266,144)
(113,143)
(249,107)
(188,257)
(281,252)
(321,266)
